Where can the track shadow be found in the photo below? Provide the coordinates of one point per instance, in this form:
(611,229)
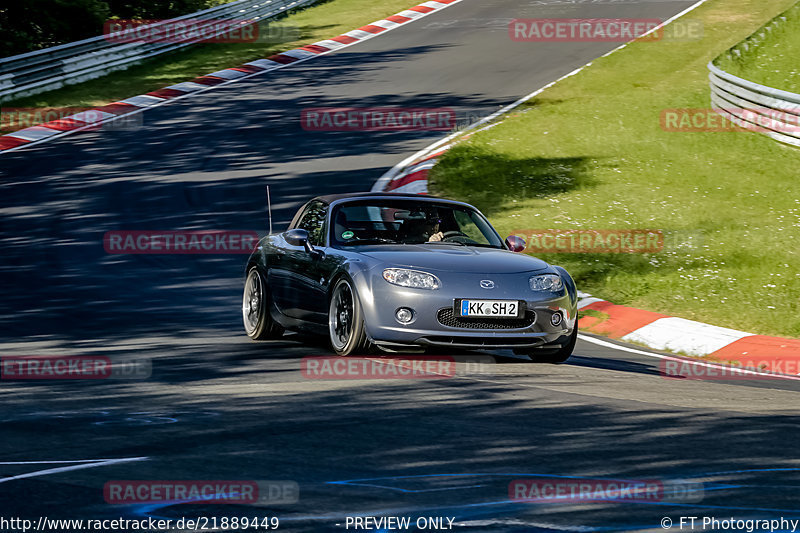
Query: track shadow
(199,164)
(614,364)
(437,448)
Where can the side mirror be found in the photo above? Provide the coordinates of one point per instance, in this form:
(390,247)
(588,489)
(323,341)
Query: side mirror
(515,243)
(299,237)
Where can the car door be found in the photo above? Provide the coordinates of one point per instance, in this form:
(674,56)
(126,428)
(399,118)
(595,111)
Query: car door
(299,276)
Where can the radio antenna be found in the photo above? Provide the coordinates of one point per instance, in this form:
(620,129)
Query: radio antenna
(269,210)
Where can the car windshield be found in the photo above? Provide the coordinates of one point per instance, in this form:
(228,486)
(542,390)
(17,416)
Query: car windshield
(410,222)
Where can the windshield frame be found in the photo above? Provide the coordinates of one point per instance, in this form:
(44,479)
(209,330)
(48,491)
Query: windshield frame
(428,202)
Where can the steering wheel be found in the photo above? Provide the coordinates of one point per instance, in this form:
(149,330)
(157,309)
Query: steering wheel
(453,233)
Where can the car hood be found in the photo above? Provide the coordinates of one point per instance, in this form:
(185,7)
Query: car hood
(447,258)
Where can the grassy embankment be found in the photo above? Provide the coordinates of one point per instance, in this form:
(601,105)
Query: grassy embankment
(591,153)
(770,57)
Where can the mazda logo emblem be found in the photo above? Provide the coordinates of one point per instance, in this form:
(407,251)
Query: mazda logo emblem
(487,284)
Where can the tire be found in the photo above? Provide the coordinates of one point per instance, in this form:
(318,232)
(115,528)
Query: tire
(346,320)
(258,324)
(559,355)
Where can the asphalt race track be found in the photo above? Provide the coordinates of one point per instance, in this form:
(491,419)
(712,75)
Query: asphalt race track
(221,407)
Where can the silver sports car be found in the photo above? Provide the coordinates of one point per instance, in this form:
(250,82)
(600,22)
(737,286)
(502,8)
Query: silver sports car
(407,272)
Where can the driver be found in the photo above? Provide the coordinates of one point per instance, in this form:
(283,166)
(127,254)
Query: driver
(431,231)
(423,229)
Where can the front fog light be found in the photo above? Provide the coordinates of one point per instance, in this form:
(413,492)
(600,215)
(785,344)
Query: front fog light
(556,319)
(404,315)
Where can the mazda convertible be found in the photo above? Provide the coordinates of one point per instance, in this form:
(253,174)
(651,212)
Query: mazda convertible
(407,273)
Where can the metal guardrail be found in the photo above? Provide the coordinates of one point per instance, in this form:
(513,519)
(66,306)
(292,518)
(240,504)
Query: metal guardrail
(52,68)
(773,112)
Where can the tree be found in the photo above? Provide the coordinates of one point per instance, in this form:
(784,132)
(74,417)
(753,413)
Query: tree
(29,25)
(33,24)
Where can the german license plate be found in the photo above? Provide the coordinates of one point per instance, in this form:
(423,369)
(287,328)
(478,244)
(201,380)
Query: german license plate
(493,308)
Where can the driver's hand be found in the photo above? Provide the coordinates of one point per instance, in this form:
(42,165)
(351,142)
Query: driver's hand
(436,237)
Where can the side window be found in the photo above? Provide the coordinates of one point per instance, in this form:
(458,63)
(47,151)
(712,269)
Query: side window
(313,221)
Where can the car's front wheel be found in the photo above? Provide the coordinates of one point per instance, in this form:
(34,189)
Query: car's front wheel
(258,324)
(346,320)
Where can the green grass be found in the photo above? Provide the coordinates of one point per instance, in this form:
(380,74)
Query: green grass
(771,56)
(590,153)
(319,22)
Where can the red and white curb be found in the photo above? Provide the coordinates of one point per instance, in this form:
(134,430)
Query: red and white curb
(136,104)
(412,179)
(668,333)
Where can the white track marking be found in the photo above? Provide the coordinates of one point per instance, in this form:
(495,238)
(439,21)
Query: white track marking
(267,64)
(35,133)
(675,334)
(92,117)
(187,86)
(411,14)
(228,74)
(739,370)
(387,24)
(330,44)
(298,54)
(83,464)
(53,462)
(359,34)
(143,100)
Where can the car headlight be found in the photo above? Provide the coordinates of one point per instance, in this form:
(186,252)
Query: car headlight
(411,278)
(546,282)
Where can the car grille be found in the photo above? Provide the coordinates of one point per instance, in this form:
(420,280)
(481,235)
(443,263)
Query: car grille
(447,317)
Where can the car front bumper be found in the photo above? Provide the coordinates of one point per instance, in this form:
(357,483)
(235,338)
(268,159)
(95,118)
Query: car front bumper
(435,324)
